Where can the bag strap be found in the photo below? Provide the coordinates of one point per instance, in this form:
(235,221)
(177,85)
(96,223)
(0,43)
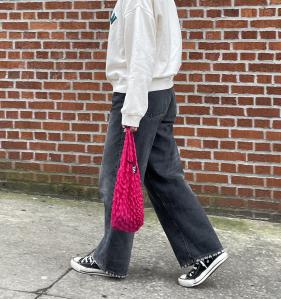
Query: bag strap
(129,148)
(124,153)
(131,155)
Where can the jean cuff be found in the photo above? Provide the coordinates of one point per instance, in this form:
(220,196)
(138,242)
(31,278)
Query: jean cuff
(107,271)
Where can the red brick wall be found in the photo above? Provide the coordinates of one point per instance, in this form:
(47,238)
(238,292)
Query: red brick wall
(55,98)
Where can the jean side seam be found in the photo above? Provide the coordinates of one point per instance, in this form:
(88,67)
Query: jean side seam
(201,257)
(180,231)
(177,227)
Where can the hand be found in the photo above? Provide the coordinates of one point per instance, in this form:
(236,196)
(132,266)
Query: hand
(133,129)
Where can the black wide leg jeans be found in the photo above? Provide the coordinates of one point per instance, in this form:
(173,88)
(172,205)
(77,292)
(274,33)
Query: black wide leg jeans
(181,215)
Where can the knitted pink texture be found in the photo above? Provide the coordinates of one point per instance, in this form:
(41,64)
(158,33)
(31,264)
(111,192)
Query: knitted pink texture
(127,208)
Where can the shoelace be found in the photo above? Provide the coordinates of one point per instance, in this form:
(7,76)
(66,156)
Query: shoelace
(195,267)
(87,259)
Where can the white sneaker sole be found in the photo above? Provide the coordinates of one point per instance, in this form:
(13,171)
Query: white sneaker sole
(77,267)
(215,264)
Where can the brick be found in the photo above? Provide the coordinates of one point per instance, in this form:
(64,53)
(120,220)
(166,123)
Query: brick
(27,166)
(230,202)
(56,126)
(214,13)
(228,111)
(14,25)
(249,2)
(249,46)
(215,3)
(56,168)
(263,205)
(266,23)
(213,88)
(85,169)
(264,67)
(208,132)
(230,67)
(214,46)
(70,106)
(27,125)
(262,193)
(56,45)
(273,182)
(29,85)
(68,147)
(29,6)
(195,66)
(195,110)
(58,5)
(228,191)
(231,12)
(247,89)
(232,156)
(87,5)
(195,154)
(6,124)
(42,146)
(7,6)
(84,127)
(196,13)
(197,24)
(264,147)
(14,145)
(231,24)
(264,12)
(249,35)
(244,168)
(85,86)
(72,25)
(40,105)
(227,144)
(273,90)
(248,134)
(271,135)
(57,85)
(266,158)
(214,178)
(262,169)
(263,112)
(249,12)
(268,35)
(244,180)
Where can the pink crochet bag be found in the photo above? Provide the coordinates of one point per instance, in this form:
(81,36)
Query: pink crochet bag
(127,208)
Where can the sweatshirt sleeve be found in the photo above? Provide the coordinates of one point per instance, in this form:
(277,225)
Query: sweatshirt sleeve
(140,49)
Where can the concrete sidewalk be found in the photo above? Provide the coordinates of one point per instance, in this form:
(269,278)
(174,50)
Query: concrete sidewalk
(39,235)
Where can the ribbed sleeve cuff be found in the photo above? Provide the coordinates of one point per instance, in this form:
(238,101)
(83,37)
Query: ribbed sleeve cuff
(131,120)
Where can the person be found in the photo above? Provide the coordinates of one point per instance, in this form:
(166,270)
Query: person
(143,56)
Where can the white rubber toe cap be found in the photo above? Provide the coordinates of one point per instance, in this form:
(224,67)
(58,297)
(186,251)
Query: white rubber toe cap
(183,276)
(76,259)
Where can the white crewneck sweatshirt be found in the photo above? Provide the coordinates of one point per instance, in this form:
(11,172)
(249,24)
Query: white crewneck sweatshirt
(144,52)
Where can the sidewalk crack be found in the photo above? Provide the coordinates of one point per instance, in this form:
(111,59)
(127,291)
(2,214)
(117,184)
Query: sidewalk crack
(44,291)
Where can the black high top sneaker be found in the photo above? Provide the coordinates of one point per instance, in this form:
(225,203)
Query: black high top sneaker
(202,270)
(88,265)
